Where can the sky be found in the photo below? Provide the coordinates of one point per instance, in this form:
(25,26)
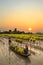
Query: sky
(21,14)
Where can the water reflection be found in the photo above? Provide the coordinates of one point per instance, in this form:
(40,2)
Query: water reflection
(23,60)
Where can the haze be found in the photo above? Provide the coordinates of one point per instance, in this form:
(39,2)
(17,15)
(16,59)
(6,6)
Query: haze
(21,14)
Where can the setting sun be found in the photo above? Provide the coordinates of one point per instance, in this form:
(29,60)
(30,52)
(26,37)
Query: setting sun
(30,29)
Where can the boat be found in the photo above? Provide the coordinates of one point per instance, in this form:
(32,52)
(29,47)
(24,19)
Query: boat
(19,51)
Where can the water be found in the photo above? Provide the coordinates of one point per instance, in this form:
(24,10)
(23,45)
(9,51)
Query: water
(15,59)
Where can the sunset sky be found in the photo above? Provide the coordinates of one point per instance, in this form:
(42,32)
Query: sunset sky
(21,14)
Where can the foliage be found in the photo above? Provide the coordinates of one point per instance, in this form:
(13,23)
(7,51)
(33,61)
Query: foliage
(17,49)
(21,37)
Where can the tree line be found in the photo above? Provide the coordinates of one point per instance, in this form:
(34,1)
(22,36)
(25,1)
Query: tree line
(15,31)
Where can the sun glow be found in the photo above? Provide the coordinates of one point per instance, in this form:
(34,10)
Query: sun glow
(30,29)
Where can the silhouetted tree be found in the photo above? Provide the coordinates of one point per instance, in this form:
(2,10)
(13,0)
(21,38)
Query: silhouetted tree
(15,30)
(10,31)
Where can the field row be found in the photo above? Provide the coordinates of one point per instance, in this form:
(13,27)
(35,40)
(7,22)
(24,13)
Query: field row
(22,37)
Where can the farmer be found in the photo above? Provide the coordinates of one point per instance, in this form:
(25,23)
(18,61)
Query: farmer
(9,41)
(26,49)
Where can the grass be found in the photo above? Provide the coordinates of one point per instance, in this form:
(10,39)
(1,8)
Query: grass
(21,37)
